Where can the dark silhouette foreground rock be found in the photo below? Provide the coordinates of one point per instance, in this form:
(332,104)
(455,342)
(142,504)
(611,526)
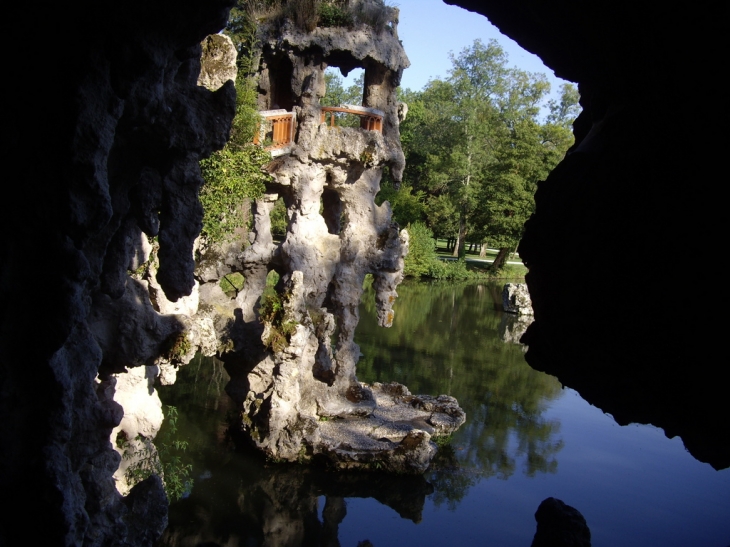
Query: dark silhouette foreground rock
(560,525)
(110,152)
(627,213)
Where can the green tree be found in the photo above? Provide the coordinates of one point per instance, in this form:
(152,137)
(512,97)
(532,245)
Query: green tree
(408,205)
(457,126)
(421,251)
(566,110)
(435,165)
(233,175)
(526,154)
(475,147)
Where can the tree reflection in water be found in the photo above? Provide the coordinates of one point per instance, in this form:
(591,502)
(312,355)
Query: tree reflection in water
(445,339)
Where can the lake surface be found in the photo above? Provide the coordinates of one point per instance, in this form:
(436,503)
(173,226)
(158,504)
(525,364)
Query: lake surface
(526,438)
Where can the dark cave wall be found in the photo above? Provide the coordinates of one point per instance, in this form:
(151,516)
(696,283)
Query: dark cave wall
(104,131)
(620,247)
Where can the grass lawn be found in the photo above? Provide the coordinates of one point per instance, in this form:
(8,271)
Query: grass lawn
(475,262)
(491,253)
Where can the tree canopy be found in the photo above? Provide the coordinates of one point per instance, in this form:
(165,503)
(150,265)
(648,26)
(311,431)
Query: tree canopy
(476,147)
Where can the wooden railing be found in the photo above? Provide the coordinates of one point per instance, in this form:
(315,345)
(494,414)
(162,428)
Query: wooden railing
(370,118)
(276,130)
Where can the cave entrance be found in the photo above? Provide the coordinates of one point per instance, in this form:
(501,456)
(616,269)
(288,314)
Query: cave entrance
(277,78)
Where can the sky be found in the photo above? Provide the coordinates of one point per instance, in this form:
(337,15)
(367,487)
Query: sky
(430,29)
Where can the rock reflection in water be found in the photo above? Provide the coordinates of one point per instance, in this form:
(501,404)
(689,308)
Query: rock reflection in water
(238,499)
(245,503)
(512,327)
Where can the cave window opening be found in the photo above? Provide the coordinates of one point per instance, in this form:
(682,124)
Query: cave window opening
(342,92)
(280,71)
(279,218)
(331,210)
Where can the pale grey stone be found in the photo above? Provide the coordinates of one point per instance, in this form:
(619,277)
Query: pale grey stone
(134,391)
(516,299)
(302,398)
(218,62)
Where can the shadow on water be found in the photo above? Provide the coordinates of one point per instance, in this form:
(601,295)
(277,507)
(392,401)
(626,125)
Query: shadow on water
(446,339)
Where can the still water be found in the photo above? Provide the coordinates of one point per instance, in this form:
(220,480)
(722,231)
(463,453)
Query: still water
(526,438)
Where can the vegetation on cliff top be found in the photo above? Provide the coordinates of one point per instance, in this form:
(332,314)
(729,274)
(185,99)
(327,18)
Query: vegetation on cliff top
(310,14)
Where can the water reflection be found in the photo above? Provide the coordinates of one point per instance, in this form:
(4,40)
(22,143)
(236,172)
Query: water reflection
(634,486)
(512,327)
(449,338)
(446,339)
(248,503)
(238,499)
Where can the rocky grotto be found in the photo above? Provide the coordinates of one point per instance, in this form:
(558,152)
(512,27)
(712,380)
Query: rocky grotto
(292,359)
(105,127)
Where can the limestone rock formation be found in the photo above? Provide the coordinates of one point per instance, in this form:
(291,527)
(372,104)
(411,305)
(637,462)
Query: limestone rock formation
(293,371)
(516,299)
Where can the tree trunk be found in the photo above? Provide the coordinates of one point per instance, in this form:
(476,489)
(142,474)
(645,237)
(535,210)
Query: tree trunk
(500,259)
(483,250)
(459,249)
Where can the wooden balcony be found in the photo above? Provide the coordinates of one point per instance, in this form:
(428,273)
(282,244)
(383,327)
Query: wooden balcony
(370,118)
(276,130)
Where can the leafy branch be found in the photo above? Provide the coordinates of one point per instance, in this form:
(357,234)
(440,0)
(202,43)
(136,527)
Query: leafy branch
(164,460)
